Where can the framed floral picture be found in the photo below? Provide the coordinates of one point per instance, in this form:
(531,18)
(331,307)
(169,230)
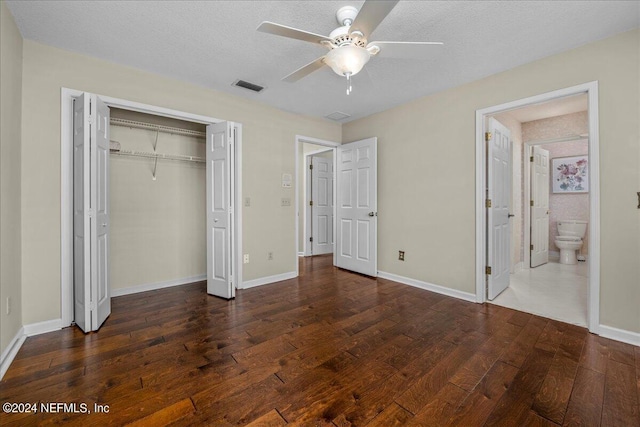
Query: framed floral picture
(570,174)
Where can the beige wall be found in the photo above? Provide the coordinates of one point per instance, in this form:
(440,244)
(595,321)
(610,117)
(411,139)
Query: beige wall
(10,223)
(268,152)
(427,206)
(157,231)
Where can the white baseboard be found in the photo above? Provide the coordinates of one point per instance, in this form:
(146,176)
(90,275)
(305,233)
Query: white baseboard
(429,286)
(10,352)
(518,267)
(629,337)
(158,285)
(300,254)
(554,256)
(42,327)
(269,279)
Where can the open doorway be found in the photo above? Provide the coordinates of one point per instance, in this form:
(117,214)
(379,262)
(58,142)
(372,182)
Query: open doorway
(316,193)
(549,202)
(581,279)
(222,180)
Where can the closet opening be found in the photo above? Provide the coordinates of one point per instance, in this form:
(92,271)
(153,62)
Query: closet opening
(162,204)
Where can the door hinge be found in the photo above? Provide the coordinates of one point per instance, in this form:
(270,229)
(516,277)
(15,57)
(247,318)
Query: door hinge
(310,202)
(531,159)
(531,202)
(311,166)
(90,120)
(311,239)
(92,306)
(487,270)
(90,213)
(531,247)
(487,203)
(488,136)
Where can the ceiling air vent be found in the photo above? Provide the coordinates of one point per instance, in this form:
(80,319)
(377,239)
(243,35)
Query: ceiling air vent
(337,116)
(250,86)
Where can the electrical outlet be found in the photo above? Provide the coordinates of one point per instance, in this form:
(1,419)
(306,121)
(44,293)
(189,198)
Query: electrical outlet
(270,256)
(286,201)
(246,258)
(8,306)
(247,202)
(401,255)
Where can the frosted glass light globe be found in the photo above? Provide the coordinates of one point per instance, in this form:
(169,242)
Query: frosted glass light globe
(348,59)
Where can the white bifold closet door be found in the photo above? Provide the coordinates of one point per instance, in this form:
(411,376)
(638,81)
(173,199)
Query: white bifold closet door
(357,205)
(220,196)
(92,298)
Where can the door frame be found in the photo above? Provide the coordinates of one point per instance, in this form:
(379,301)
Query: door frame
(526,194)
(308,210)
(593,292)
(66,186)
(301,139)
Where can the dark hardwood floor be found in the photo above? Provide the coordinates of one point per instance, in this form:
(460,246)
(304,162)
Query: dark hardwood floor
(330,348)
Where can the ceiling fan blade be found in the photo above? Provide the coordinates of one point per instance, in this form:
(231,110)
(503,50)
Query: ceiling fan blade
(407,49)
(292,33)
(305,71)
(371,15)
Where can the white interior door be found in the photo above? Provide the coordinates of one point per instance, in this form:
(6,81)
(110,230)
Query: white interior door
(92,298)
(499,194)
(357,205)
(81,209)
(100,159)
(220,198)
(322,205)
(540,207)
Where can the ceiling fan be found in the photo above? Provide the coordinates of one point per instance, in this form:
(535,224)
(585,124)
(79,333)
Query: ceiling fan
(349,48)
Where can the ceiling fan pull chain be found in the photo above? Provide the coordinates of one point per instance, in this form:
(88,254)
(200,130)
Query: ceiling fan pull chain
(349,87)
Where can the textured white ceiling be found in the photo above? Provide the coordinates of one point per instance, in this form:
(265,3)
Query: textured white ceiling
(213,43)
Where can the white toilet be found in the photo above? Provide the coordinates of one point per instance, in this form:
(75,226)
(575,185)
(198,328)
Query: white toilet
(569,239)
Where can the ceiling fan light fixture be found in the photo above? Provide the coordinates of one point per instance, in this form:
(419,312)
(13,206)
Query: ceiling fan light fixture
(347,59)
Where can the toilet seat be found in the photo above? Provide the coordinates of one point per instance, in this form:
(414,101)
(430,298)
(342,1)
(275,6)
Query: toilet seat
(568,239)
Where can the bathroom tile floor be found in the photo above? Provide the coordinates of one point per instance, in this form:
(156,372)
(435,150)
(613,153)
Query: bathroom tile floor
(553,290)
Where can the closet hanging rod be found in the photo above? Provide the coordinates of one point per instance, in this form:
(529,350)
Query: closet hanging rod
(159,128)
(148,155)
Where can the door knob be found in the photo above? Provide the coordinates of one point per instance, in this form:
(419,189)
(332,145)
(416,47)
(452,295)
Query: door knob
(372,214)
(104,224)
(215,220)
(510,215)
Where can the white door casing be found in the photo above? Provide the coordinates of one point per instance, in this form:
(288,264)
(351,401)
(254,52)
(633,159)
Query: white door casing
(540,207)
(499,193)
(92,298)
(322,207)
(356,210)
(219,209)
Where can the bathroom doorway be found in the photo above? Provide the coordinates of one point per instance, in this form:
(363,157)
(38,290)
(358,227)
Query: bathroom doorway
(549,190)
(558,124)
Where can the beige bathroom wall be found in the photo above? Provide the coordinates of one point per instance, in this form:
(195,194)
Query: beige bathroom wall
(268,152)
(157,229)
(10,182)
(426,171)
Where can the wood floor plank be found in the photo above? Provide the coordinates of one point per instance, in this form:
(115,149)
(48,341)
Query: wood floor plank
(587,397)
(620,406)
(478,406)
(328,348)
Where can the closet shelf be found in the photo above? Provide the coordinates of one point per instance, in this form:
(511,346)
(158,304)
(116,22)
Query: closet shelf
(157,128)
(156,156)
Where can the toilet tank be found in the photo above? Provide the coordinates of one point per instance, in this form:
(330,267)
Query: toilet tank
(572,227)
